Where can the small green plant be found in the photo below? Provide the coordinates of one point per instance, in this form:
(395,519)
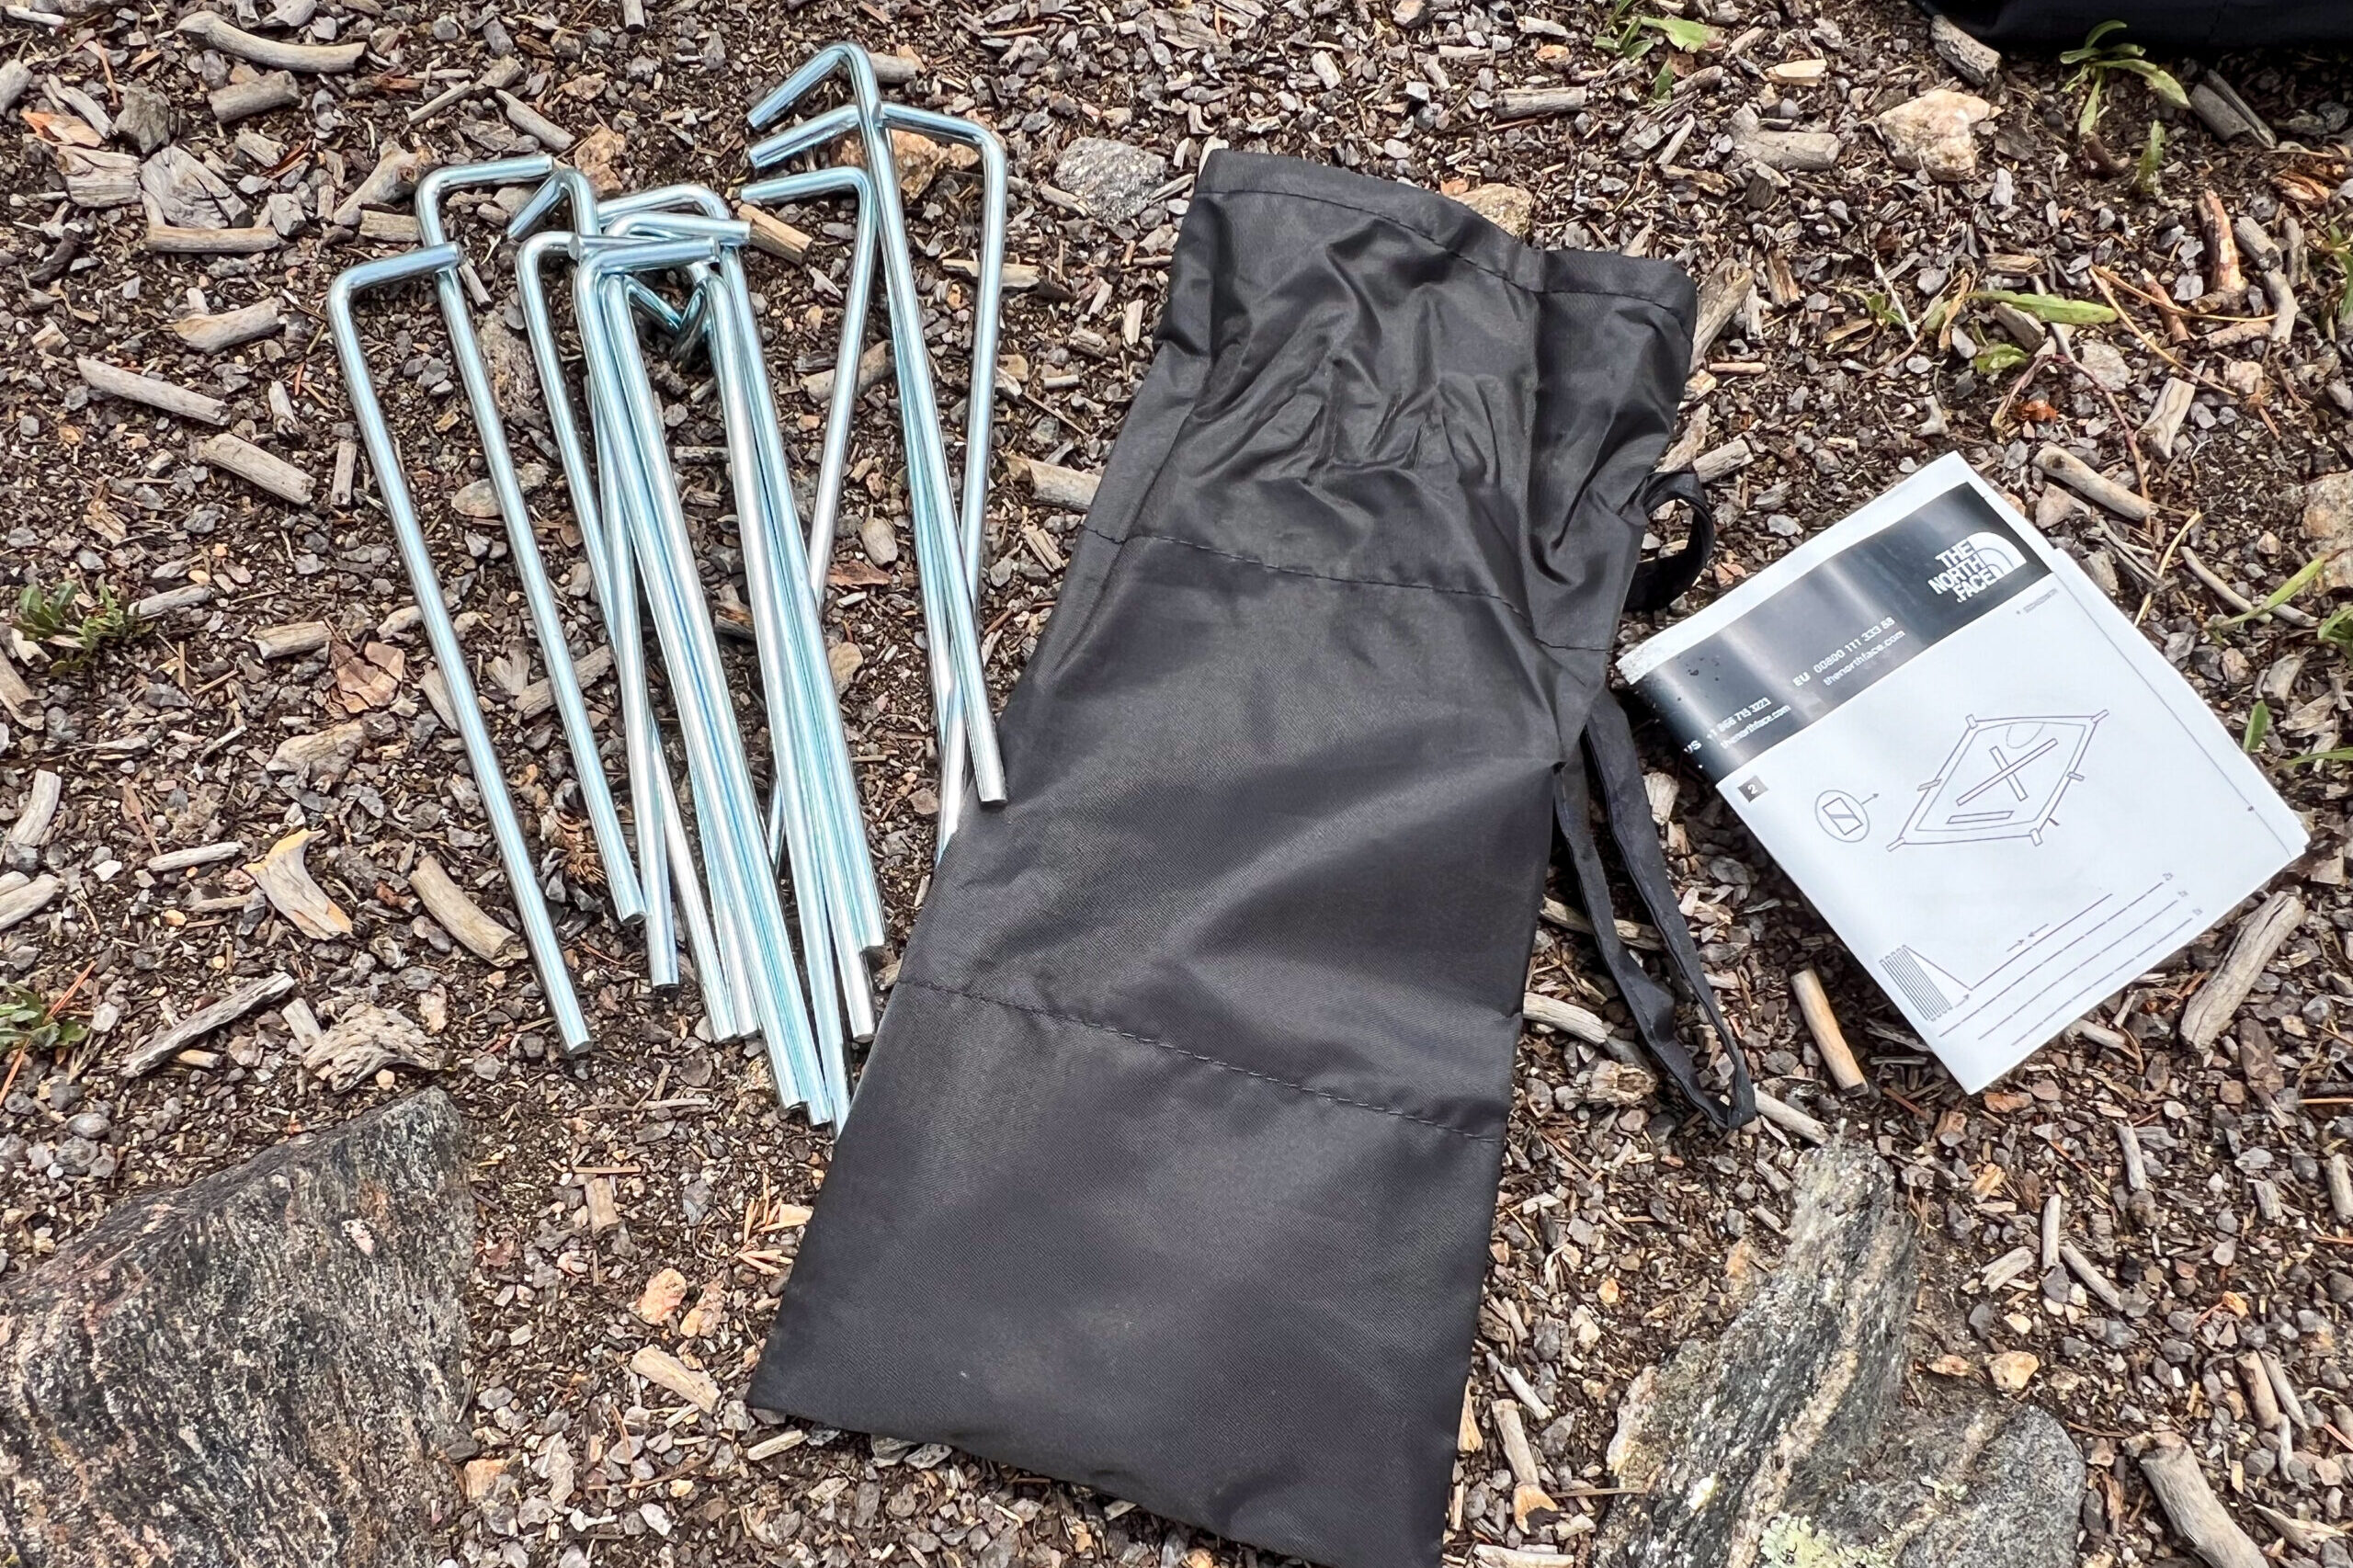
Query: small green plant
(55,615)
(2152,163)
(1629,37)
(47,615)
(2335,629)
(1997,357)
(2048,307)
(2338,246)
(30,1024)
(2258,724)
(2097,59)
(2278,595)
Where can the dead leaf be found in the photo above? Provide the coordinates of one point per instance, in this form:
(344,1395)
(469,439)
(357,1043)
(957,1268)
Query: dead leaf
(2013,1370)
(919,159)
(709,1312)
(364,681)
(857,574)
(61,130)
(480,1476)
(287,882)
(845,659)
(599,155)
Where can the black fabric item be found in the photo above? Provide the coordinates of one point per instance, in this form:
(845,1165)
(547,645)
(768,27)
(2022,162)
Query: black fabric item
(2158,24)
(1173,1169)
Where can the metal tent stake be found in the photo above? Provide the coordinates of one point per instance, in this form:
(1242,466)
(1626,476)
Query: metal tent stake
(712,868)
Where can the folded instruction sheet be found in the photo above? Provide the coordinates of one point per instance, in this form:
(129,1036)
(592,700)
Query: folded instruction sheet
(2001,797)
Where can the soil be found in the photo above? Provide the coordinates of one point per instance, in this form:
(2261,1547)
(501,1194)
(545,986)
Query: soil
(1621,1232)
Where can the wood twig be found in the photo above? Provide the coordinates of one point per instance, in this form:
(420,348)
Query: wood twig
(2259,935)
(1814,1003)
(170,1040)
(270,54)
(2181,1490)
(129,386)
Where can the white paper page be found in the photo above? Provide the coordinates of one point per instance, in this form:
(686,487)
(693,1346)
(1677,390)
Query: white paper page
(2003,799)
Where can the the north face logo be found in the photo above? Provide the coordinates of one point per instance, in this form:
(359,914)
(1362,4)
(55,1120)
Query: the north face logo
(1976,564)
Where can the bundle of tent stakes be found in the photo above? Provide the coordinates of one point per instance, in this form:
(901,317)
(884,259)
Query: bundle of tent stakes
(621,252)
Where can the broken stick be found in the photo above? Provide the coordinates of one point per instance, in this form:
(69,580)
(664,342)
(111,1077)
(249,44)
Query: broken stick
(1814,1003)
(2173,1474)
(167,1042)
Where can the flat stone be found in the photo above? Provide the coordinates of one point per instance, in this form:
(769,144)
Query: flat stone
(1935,134)
(145,117)
(264,1367)
(1783,1442)
(2328,522)
(2105,365)
(1113,180)
(1978,1486)
(1508,207)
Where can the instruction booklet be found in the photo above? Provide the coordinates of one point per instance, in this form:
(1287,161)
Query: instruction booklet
(2001,797)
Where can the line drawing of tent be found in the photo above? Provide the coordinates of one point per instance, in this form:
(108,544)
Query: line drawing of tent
(2003,779)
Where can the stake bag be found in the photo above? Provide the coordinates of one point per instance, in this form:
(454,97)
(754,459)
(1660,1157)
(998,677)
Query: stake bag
(1173,1169)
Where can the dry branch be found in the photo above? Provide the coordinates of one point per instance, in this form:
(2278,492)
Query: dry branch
(459,915)
(169,1041)
(1823,1024)
(112,380)
(2173,1474)
(243,100)
(250,463)
(270,54)
(2209,1012)
(226,329)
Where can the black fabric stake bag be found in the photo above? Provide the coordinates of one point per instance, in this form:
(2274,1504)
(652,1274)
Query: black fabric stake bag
(1174,1165)
(2159,24)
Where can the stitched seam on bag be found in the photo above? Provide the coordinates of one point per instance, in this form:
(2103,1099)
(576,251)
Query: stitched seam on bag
(1462,257)
(1518,614)
(1197,1056)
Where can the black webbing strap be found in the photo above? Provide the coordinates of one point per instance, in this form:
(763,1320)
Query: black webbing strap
(1658,581)
(1610,746)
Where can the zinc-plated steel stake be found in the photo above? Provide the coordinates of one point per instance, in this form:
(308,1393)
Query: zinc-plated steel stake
(682,624)
(949,609)
(784,621)
(662,834)
(823,823)
(857,298)
(726,988)
(979,407)
(730,990)
(539,594)
(616,597)
(818,708)
(383,456)
(751,929)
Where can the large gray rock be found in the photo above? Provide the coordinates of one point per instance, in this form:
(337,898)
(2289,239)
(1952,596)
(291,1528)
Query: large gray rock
(264,1367)
(1111,179)
(1781,1443)
(1983,1485)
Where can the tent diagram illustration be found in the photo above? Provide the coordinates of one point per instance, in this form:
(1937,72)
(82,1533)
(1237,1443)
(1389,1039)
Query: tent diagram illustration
(2003,779)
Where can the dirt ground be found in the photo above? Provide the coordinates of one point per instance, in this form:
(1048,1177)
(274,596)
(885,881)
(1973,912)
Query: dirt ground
(1621,1231)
